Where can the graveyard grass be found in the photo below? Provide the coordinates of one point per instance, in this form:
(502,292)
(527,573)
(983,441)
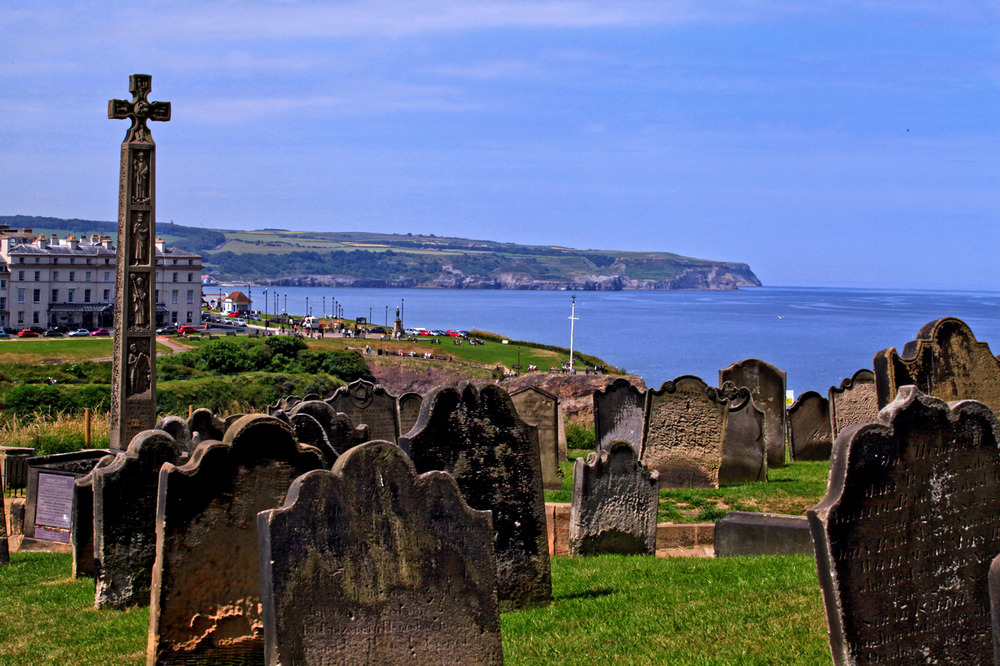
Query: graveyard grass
(615,609)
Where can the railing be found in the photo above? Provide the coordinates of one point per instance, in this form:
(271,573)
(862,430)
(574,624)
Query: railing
(15,475)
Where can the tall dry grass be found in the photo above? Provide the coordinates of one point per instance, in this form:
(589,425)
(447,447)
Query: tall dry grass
(54,433)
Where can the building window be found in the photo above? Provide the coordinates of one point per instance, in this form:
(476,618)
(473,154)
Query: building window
(20,260)
(173,297)
(38,260)
(190,295)
(190,317)
(36,296)
(55,276)
(175,277)
(86,277)
(190,277)
(107,276)
(107,261)
(72,260)
(38,276)
(20,317)
(3,284)
(55,260)
(107,295)
(20,276)
(34,318)
(55,296)
(175,262)
(3,302)
(72,276)
(72,295)
(20,295)
(88,261)
(86,295)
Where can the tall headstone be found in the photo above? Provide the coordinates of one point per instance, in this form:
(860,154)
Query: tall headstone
(809,427)
(369,404)
(133,374)
(615,503)
(744,455)
(409,411)
(906,532)
(476,436)
(945,361)
(541,409)
(767,386)
(684,433)
(854,402)
(618,413)
(372,564)
(206,595)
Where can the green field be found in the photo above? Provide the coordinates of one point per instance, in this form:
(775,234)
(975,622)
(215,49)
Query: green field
(58,350)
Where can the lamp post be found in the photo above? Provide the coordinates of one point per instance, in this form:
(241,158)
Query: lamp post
(265,307)
(572,322)
(387,315)
(307,306)
(286,302)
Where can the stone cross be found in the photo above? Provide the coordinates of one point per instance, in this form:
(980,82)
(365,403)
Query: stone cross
(133,387)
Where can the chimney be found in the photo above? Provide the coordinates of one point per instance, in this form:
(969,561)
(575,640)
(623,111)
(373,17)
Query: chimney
(161,247)
(72,242)
(41,242)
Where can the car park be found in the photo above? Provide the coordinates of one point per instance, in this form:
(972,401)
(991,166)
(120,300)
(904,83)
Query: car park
(100,331)
(27,333)
(79,333)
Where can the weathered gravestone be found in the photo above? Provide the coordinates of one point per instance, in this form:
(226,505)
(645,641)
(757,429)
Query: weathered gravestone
(477,437)
(309,431)
(409,411)
(125,493)
(684,433)
(340,432)
(767,387)
(618,414)
(614,506)
(369,404)
(905,534)
(206,424)
(854,402)
(371,564)
(4,547)
(994,578)
(206,594)
(541,409)
(179,429)
(49,506)
(809,427)
(945,361)
(82,523)
(744,455)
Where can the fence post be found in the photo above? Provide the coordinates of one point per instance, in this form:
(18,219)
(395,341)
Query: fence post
(86,427)
(190,411)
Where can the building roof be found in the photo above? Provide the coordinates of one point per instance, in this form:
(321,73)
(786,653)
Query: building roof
(237,297)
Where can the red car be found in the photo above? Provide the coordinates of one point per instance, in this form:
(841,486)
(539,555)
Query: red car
(100,331)
(183,330)
(27,333)
(452,334)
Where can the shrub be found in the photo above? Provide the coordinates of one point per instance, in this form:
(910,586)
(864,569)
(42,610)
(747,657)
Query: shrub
(580,435)
(34,398)
(286,345)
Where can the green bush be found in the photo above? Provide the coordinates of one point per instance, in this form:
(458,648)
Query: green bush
(287,345)
(579,435)
(248,391)
(34,398)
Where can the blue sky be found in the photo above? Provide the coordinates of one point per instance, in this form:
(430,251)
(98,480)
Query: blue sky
(841,143)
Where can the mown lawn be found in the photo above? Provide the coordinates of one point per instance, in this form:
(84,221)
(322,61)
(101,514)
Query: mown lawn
(59,350)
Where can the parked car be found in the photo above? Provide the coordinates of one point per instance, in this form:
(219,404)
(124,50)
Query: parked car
(378,330)
(100,331)
(411,331)
(254,316)
(451,333)
(36,329)
(184,330)
(4,333)
(463,334)
(79,333)
(27,333)
(167,330)
(53,333)
(438,332)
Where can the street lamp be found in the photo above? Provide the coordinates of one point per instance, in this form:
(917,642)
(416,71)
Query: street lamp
(286,302)
(572,322)
(387,316)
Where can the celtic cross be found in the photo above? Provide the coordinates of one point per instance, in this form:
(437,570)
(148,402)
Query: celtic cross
(139,109)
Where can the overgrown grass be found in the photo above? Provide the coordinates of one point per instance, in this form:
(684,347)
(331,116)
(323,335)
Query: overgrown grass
(54,433)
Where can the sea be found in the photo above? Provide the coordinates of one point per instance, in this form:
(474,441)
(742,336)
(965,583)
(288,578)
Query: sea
(819,336)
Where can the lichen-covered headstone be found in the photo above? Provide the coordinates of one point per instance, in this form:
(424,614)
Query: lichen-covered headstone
(409,411)
(372,564)
(206,594)
(854,402)
(615,502)
(369,404)
(744,455)
(618,414)
(809,427)
(945,361)
(124,495)
(906,532)
(767,387)
(477,437)
(541,409)
(684,433)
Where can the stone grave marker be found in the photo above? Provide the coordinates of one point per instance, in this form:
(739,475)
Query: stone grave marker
(4,546)
(206,424)
(49,505)
(341,433)
(767,387)
(854,402)
(809,427)
(614,506)
(409,411)
(369,404)
(618,414)
(309,431)
(945,361)
(541,409)
(124,500)
(744,455)
(477,437)
(372,564)
(994,579)
(82,522)
(179,429)
(684,433)
(206,593)
(905,534)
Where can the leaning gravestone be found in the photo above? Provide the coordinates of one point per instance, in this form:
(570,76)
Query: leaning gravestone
(477,437)
(744,455)
(615,502)
(205,598)
(409,411)
(809,427)
(905,534)
(541,409)
(125,493)
(945,361)
(369,404)
(372,564)
(618,414)
(854,402)
(767,386)
(684,433)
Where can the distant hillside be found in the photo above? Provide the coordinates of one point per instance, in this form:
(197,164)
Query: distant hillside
(359,259)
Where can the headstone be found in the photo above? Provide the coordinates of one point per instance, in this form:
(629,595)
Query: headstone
(945,361)
(49,506)
(179,429)
(206,424)
(854,402)
(684,433)
(82,529)
(372,564)
(618,414)
(409,411)
(341,433)
(124,496)
(906,531)
(369,404)
(309,431)
(206,594)
(477,437)
(4,547)
(541,409)
(767,387)
(744,455)
(809,427)
(133,366)
(994,578)
(615,503)
(748,534)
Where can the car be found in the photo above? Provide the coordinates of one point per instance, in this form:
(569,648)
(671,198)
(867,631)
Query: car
(184,330)
(53,333)
(239,321)
(36,329)
(438,332)
(378,330)
(254,316)
(27,333)
(167,330)
(412,331)
(4,333)
(79,333)
(424,331)
(100,331)
(451,333)
(463,334)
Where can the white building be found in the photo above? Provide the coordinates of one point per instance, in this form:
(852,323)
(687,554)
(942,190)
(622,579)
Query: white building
(48,281)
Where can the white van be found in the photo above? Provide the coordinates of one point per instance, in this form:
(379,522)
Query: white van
(312,323)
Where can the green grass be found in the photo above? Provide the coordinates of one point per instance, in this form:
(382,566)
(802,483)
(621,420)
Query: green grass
(608,609)
(59,350)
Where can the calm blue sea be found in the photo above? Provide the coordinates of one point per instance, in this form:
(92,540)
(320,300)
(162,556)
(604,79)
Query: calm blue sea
(818,336)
